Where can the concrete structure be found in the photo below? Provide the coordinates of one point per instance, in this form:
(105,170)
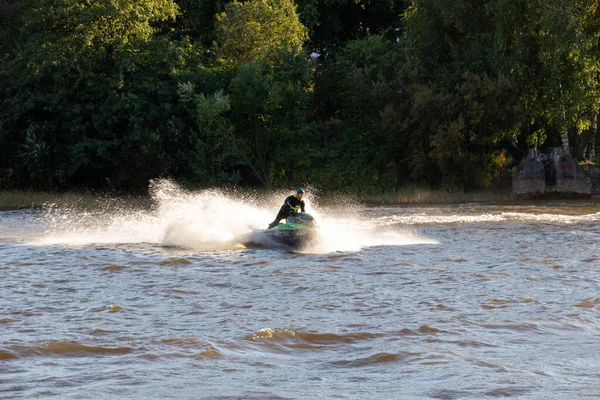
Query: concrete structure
(530,179)
(571,178)
(558,175)
(594,173)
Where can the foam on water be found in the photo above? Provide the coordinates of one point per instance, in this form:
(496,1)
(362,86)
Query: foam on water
(208,220)
(427,219)
(352,234)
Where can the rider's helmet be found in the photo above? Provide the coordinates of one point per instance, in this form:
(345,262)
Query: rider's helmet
(300,191)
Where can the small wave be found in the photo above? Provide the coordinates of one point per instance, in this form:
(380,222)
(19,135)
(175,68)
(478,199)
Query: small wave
(407,332)
(113,268)
(428,329)
(494,304)
(175,261)
(283,335)
(192,292)
(284,340)
(589,303)
(114,308)
(367,361)
(67,349)
(557,324)
(591,259)
(509,392)
(7,355)
(100,332)
(209,353)
(450,394)
(513,326)
(189,342)
(470,343)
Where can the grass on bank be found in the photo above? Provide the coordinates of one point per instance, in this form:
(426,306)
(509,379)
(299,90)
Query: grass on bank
(23,199)
(14,200)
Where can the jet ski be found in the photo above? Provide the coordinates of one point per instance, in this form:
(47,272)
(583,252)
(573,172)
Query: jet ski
(298,232)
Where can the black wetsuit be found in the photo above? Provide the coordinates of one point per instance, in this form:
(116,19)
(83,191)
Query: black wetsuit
(288,206)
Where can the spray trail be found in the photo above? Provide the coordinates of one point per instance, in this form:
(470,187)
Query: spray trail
(214,220)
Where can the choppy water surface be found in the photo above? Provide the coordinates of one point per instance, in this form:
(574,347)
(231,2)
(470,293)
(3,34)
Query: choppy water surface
(442,302)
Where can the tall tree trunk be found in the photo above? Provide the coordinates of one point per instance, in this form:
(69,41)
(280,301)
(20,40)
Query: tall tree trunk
(564,136)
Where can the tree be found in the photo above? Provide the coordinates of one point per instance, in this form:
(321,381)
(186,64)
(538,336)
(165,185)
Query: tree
(563,86)
(465,110)
(360,89)
(71,91)
(218,153)
(269,105)
(259,29)
(261,41)
(531,60)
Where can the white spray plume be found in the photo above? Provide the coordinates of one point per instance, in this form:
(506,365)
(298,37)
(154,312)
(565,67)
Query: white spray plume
(210,220)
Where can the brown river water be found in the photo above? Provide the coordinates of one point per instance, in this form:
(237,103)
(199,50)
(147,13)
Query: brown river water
(434,302)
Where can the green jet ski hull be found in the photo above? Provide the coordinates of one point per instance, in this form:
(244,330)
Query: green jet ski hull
(293,235)
(297,233)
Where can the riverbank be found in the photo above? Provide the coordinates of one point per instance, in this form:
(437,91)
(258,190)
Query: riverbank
(15,200)
(24,199)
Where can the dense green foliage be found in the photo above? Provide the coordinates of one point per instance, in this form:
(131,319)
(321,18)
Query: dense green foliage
(347,95)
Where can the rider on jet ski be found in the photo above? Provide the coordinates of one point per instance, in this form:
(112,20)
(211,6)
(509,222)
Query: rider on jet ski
(291,204)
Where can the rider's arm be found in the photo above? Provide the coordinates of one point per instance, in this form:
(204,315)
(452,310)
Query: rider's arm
(287,204)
